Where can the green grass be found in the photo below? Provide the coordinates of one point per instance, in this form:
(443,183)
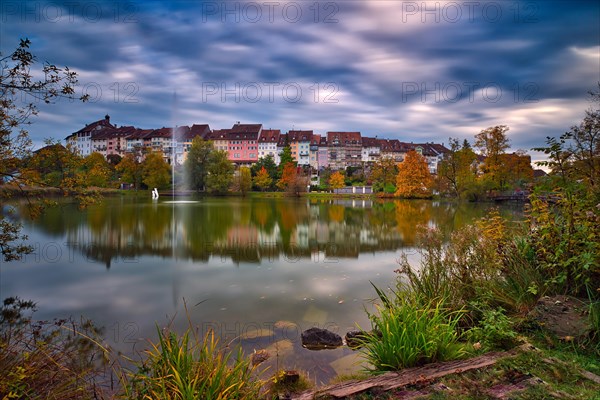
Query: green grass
(408,333)
(185,367)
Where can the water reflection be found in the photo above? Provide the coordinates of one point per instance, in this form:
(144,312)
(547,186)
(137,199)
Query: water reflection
(248,230)
(240,264)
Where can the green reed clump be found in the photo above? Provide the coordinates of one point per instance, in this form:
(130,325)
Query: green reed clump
(408,332)
(188,367)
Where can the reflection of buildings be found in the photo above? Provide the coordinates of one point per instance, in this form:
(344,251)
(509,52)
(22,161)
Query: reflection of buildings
(249,231)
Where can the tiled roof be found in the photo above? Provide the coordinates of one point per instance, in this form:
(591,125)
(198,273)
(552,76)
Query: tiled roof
(343,138)
(197,130)
(93,127)
(269,136)
(300,136)
(392,145)
(242,136)
(283,139)
(247,128)
(370,142)
(218,134)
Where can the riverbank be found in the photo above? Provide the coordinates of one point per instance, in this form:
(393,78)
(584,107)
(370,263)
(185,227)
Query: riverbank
(14,191)
(542,365)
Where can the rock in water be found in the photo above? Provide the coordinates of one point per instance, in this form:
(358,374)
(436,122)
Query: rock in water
(354,339)
(259,356)
(319,339)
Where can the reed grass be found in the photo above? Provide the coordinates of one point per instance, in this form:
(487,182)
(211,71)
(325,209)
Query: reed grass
(186,367)
(407,332)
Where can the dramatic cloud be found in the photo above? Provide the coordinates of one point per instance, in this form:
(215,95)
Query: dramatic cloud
(411,70)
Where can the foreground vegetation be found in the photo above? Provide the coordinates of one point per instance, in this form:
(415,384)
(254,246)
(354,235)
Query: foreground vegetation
(470,294)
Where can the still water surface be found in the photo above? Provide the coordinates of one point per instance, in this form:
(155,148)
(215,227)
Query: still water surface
(256,271)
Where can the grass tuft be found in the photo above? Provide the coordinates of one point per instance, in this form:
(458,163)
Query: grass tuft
(186,367)
(407,332)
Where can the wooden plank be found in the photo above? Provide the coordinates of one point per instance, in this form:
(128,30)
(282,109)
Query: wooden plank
(409,376)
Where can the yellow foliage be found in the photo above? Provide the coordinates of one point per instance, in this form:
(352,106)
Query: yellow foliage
(337,181)
(413,179)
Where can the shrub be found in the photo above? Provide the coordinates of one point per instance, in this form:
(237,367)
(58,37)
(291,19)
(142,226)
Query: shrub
(47,360)
(494,330)
(483,262)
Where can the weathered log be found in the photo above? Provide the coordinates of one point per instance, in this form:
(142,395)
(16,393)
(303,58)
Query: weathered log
(409,376)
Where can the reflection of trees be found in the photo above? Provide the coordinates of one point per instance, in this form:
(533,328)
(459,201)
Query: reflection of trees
(336,213)
(409,215)
(247,230)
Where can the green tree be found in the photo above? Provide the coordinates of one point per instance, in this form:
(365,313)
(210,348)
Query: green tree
(156,173)
(285,158)
(268,163)
(197,163)
(244,180)
(114,159)
(585,145)
(263,180)
(220,172)
(337,180)
(456,170)
(383,173)
(413,179)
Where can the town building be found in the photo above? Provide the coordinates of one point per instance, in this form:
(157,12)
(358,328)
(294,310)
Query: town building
(243,143)
(299,142)
(267,144)
(345,149)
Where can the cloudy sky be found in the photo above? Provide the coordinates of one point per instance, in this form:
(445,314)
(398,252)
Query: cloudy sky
(410,70)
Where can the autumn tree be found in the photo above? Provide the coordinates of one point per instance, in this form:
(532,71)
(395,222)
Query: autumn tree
(220,172)
(263,180)
(285,158)
(492,143)
(456,170)
(288,176)
(130,169)
(54,165)
(516,170)
(268,163)
(156,173)
(337,180)
(243,180)
(383,173)
(19,80)
(97,170)
(292,181)
(413,179)
(196,164)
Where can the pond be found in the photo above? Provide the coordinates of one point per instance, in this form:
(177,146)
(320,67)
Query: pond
(255,271)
